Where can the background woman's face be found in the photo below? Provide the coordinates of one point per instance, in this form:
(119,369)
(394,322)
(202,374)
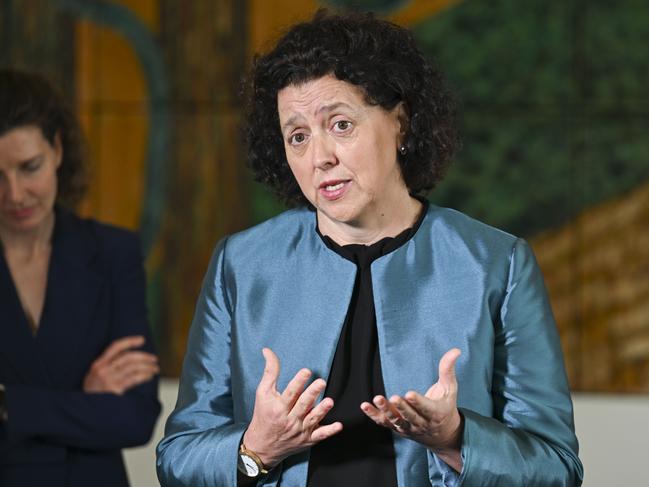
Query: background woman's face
(28,181)
(342,151)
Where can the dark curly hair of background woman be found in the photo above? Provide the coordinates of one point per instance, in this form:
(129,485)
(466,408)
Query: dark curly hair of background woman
(379,57)
(29,99)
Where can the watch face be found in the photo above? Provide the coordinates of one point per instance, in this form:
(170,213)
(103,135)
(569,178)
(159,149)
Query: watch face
(248,466)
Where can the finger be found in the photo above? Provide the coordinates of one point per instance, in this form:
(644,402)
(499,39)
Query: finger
(393,414)
(120,345)
(314,417)
(374,414)
(307,399)
(326,431)
(137,377)
(295,387)
(447,368)
(134,377)
(410,415)
(384,406)
(268,381)
(128,358)
(422,405)
(135,369)
(388,411)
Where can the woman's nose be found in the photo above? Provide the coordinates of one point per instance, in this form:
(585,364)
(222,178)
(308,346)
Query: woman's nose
(324,153)
(14,189)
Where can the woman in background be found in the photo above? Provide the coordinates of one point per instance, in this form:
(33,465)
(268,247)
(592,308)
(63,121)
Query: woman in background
(372,291)
(77,370)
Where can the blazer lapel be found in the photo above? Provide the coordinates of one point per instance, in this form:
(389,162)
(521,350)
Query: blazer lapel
(19,358)
(73,289)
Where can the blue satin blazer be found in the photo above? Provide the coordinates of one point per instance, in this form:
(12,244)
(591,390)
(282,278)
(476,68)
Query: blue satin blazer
(455,283)
(56,434)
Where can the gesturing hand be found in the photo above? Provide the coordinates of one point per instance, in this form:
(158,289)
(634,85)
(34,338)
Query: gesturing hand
(120,368)
(431,419)
(285,423)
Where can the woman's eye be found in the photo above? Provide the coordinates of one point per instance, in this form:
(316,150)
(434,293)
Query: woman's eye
(297,139)
(32,166)
(342,125)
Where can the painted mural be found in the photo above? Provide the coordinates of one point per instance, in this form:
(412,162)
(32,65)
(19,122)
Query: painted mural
(554,110)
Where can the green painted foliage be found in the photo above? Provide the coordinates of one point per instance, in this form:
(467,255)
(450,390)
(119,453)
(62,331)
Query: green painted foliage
(554,106)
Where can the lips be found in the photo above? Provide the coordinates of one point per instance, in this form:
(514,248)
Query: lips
(334,189)
(20,213)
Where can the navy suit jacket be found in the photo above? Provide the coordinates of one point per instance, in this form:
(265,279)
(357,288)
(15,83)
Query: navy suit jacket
(56,434)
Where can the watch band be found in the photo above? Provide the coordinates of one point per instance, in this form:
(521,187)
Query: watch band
(245,454)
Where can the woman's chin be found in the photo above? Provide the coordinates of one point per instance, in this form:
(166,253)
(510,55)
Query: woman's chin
(339,215)
(30,224)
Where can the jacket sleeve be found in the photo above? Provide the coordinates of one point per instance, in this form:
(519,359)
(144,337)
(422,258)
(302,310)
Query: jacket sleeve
(201,438)
(530,439)
(71,417)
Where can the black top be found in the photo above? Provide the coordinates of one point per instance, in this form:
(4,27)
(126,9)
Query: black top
(362,454)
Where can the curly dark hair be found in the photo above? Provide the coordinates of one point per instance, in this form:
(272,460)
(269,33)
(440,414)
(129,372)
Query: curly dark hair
(29,99)
(379,57)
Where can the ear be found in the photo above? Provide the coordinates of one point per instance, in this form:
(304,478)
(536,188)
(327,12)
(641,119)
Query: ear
(58,149)
(403,118)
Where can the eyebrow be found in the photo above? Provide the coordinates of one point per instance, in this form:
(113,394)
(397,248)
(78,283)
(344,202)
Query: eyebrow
(325,108)
(332,107)
(290,122)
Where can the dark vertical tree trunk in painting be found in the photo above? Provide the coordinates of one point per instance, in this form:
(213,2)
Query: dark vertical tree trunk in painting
(204,45)
(35,36)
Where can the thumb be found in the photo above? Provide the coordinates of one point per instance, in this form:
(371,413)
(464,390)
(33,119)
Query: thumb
(447,368)
(271,370)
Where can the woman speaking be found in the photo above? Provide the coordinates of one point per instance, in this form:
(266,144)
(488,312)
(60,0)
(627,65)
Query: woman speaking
(366,337)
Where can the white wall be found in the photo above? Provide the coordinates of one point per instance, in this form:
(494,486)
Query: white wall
(140,462)
(613,433)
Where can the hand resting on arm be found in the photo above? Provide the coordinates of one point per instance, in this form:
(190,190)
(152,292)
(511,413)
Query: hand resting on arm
(120,367)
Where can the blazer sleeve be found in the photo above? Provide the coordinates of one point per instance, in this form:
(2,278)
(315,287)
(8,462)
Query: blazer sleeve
(96,421)
(530,439)
(201,437)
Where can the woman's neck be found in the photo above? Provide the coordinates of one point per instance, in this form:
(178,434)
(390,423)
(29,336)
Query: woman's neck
(28,245)
(389,221)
